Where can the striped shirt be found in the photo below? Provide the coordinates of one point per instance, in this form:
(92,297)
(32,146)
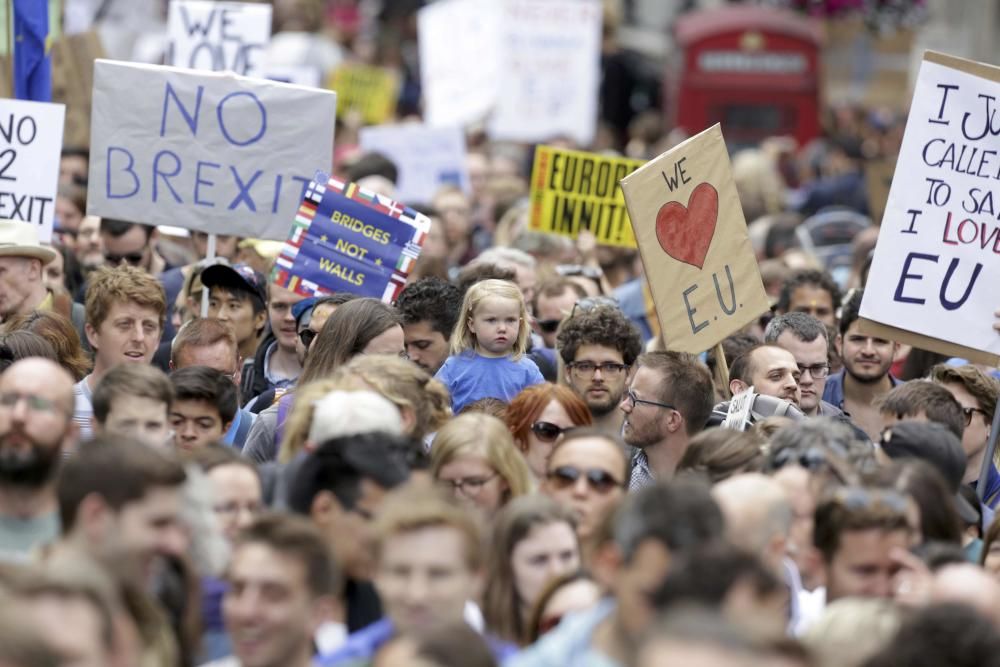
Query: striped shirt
(84,410)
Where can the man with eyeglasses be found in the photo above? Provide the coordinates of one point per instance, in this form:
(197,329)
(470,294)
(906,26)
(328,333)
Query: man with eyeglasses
(598,346)
(36,429)
(586,472)
(667,403)
(806,338)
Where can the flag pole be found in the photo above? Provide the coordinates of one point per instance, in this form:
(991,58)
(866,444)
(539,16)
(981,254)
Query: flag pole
(10,44)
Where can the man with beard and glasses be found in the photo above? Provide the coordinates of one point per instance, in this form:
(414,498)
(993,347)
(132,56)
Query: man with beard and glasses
(865,376)
(668,402)
(36,427)
(598,347)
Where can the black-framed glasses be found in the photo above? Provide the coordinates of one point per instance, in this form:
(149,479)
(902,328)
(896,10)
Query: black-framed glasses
(548,326)
(601,481)
(132,258)
(586,369)
(818,371)
(632,400)
(307,336)
(469,486)
(969,411)
(587,304)
(547,431)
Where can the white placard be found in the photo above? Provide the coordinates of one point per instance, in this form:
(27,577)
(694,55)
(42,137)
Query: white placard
(30,144)
(209,151)
(936,269)
(219,36)
(460,60)
(550,74)
(427,158)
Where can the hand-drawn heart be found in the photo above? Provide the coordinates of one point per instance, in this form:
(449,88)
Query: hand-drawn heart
(685,233)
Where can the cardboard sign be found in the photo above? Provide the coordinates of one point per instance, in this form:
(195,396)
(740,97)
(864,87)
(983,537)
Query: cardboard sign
(73,59)
(30,143)
(218,36)
(460,60)
(347,239)
(574,190)
(937,262)
(693,240)
(369,91)
(426,157)
(550,72)
(209,151)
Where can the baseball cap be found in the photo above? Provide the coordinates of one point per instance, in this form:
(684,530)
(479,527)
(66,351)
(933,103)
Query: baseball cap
(935,444)
(239,277)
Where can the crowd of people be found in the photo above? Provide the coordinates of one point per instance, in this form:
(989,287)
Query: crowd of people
(506,466)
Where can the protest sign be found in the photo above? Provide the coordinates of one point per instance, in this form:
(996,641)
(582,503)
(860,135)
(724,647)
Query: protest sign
(30,144)
(348,239)
(426,157)
(573,190)
(218,36)
(693,240)
(550,71)
(210,151)
(935,272)
(460,60)
(369,91)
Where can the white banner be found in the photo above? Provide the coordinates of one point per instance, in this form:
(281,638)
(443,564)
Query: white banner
(427,158)
(30,144)
(209,151)
(550,75)
(936,268)
(219,36)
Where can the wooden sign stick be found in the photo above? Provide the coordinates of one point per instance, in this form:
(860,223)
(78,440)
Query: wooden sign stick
(721,375)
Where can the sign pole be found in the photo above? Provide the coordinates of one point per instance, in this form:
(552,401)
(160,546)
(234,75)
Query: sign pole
(209,256)
(991,448)
(721,370)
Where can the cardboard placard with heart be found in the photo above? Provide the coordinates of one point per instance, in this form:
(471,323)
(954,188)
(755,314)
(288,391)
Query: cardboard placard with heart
(692,236)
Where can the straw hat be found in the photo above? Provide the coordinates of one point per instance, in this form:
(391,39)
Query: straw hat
(20,239)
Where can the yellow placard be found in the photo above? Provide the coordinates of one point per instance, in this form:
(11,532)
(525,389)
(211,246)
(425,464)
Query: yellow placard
(692,237)
(371,91)
(574,190)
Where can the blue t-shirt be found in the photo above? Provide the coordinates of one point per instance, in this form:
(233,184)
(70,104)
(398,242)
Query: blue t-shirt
(470,376)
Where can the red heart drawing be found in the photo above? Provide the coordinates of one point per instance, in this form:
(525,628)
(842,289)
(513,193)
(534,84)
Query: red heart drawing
(685,232)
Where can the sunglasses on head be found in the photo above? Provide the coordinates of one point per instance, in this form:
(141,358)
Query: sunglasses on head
(599,480)
(133,258)
(547,432)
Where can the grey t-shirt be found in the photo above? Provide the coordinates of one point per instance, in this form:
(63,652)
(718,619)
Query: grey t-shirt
(19,537)
(260,445)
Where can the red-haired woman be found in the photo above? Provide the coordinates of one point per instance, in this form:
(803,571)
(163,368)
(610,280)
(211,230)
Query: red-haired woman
(537,418)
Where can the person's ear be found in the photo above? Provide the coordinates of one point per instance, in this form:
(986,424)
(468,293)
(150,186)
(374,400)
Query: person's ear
(737,386)
(838,343)
(226,426)
(92,336)
(93,519)
(259,320)
(325,508)
(408,418)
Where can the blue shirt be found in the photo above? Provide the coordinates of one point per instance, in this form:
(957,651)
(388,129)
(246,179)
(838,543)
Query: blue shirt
(834,391)
(364,644)
(470,377)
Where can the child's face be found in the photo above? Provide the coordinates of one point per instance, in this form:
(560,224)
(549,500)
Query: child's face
(496,324)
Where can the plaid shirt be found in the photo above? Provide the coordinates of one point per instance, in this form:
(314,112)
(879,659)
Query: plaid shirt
(641,475)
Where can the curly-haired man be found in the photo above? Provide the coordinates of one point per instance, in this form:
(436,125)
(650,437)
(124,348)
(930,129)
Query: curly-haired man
(429,308)
(598,348)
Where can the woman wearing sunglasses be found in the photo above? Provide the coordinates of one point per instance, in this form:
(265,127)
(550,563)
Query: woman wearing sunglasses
(474,458)
(538,417)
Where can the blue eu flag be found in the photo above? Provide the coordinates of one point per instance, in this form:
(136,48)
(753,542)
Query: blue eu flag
(32,65)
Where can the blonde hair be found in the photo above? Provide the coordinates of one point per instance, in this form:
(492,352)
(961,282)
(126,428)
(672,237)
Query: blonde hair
(479,433)
(462,338)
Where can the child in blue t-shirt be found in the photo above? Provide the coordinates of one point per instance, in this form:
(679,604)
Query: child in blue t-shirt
(487,347)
